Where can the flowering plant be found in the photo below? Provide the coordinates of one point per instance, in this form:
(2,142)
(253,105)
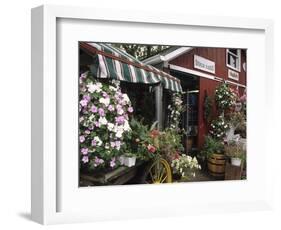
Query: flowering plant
(211,145)
(219,127)
(225,97)
(103,121)
(235,149)
(170,144)
(141,141)
(175,108)
(185,165)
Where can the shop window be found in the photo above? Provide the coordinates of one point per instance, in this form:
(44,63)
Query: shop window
(233,58)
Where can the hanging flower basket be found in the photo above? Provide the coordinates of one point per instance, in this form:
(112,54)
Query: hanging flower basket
(225,97)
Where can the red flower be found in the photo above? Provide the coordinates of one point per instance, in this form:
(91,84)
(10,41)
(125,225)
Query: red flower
(176,156)
(151,148)
(154,133)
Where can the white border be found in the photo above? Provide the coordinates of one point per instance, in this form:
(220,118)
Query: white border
(44,97)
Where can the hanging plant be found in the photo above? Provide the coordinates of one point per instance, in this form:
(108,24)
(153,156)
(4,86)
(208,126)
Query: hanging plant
(103,121)
(175,108)
(225,97)
(219,127)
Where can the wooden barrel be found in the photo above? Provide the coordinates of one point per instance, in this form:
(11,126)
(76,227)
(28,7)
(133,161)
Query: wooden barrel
(216,165)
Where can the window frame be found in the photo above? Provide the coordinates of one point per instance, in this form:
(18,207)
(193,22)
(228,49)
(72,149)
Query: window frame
(238,55)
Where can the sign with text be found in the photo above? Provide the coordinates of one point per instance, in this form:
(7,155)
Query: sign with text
(204,64)
(233,75)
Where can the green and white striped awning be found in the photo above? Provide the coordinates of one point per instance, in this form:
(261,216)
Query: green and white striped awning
(111,62)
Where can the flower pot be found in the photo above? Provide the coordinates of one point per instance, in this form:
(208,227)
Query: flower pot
(236,161)
(216,165)
(129,161)
(122,160)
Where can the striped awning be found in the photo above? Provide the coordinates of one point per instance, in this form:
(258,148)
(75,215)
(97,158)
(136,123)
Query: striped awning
(111,62)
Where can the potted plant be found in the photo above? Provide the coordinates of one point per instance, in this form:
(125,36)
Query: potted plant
(104,116)
(129,159)
(213,152)
(219,127)
(185,166)
(225,97)
(236,152)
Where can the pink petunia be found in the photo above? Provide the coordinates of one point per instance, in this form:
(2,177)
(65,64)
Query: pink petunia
(130,109)
(111,108)
(84,151)
(112,163)
(93,143)
(84,102)
(101,112)
(82,139)
(85,159)
(94,109)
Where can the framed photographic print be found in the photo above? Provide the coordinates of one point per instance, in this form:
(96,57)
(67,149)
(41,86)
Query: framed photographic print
(138,114)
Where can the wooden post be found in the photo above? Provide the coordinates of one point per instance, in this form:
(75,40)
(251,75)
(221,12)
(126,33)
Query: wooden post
(159,105)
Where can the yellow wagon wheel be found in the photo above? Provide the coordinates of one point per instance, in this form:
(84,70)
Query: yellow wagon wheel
(159,172)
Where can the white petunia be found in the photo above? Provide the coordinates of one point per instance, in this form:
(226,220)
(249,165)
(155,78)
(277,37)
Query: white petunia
(126,98)
(98,141)
(94,87)
(112,88)
(120,111)
(102,121)
(126,126)
(110,126)
(104,101)
(119,134)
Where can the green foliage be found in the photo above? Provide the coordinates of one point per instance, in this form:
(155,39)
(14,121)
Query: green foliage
(237,119)
(139,139)
(141,51)
(208,109)
(211,146)
(219,127)
(235,150)
(170,143)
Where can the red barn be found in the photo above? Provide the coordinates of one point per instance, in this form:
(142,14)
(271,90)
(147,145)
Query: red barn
(201,70)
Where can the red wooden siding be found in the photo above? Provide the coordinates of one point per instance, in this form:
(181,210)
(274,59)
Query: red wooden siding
(217,55)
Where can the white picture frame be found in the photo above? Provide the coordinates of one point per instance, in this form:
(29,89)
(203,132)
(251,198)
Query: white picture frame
(49,191)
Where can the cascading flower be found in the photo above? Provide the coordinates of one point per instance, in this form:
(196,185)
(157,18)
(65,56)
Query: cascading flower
(104,113)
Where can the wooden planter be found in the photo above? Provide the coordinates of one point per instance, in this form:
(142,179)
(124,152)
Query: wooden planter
(233,172)
(118,176)
(216,165)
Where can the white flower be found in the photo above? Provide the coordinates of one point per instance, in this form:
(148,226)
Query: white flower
(126,126)
(126,98)
(120,111)
(110,126)
(98,141)
(102,121)
(112,88)
(94,87)
(119,133)
(104,101)
(91,117)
